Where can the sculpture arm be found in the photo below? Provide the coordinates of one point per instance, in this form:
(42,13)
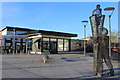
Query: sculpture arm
(101,11)
(93,12)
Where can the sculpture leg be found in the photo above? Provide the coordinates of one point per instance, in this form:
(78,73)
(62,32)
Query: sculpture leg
(98,60)
(109,64)
(95,58)
(100,65)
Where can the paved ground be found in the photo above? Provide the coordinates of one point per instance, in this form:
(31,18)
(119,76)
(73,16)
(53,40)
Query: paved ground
(60,66)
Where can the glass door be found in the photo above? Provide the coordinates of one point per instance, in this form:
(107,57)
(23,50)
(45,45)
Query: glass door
(53,47)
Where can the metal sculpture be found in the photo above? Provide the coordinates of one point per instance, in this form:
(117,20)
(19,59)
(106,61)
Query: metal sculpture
(100,42)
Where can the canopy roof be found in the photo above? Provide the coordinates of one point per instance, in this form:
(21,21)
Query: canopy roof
(43,32)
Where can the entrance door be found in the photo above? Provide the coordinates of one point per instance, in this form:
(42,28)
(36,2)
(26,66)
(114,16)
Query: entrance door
(53,47)
(18,47)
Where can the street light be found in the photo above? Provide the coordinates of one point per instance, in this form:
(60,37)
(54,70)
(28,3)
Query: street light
(13,41)
(85,23)
(110,11)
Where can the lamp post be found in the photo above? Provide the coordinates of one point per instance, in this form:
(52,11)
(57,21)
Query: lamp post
(110,12)
(1,45)
(14,42)
(85,23)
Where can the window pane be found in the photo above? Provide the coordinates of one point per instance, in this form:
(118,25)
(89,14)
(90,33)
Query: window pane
(60,44)
(45,45)
(10,33)
(66,45)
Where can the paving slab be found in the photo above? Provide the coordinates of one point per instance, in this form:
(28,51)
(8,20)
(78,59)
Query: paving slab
(74,66)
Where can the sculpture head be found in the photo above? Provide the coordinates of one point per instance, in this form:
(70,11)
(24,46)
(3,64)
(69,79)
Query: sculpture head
(98,6)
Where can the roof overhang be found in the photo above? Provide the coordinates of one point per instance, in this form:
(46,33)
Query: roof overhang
(42,32)
(57,33)
(17,28)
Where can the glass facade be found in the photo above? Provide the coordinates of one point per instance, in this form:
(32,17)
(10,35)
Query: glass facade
(52,45)
(66,45)
(10,45)
(15,44)
(60,44)
(12,32)
(18,39)
(3,42)
(43,44)
(29,43)
(20,32)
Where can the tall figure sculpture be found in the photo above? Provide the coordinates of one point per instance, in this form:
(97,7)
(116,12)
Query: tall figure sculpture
(100,42)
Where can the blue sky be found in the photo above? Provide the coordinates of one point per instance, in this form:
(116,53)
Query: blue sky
(54,16)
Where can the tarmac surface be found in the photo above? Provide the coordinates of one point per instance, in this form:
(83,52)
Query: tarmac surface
(73,66)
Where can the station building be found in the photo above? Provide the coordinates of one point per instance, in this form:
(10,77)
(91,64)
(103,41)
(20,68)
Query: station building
(24,40)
